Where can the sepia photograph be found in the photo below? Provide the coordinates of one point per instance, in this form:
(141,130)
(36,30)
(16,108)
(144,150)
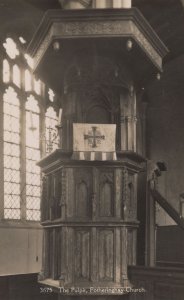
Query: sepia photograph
(91,150)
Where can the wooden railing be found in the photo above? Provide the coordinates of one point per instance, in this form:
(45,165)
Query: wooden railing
(166,280)
(170,210)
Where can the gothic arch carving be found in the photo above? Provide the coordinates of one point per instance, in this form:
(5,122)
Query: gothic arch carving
(82,197)
(106,195)
(83,192)
(98,114)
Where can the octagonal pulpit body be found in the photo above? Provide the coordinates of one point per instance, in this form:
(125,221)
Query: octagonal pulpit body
(98,61)
(89,216)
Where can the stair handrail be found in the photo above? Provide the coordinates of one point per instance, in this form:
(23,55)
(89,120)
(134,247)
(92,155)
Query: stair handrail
(171,211)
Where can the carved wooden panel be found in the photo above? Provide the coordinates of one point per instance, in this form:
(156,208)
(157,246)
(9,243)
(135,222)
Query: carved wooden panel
(129,192)
(106,255)
(70,192)
(98,115)
(83,192)
(57,253)
(52,196)
(106,194)
(53,253)
(44,199)
(131,247)
(49,197)
(87,249)
(82,255)
(50,253)
(56,197)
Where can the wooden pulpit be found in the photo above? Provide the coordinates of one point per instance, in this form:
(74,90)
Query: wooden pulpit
(89,195)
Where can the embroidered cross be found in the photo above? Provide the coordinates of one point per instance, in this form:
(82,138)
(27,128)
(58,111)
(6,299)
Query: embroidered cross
(94,137)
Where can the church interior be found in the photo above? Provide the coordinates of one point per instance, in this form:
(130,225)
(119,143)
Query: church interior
(91,147)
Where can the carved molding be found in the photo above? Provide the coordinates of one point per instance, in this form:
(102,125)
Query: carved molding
(107,177)
(97,78)
(151,52)
(124,190)
(43,206)
(44,45)
(103,28)
(128,119)
(63,183)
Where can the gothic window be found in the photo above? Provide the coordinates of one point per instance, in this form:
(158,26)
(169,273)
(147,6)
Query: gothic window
(23,133)
(11,120)
(32,156)
(6,71)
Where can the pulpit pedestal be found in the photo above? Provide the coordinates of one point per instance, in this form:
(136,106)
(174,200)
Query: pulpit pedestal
(90,222)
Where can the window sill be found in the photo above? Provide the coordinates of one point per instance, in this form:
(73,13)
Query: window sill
(20,224)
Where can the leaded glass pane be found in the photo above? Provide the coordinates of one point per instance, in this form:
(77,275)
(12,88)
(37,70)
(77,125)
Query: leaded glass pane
(11,148)
(11,176)
(33,190)
(33,215)
(51,121)
(12,213)
(32,130)
(11,162)
(11,124)
(11,202)
(33,202)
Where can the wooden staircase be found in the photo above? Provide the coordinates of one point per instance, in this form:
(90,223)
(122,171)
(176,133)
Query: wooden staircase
(164,280)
